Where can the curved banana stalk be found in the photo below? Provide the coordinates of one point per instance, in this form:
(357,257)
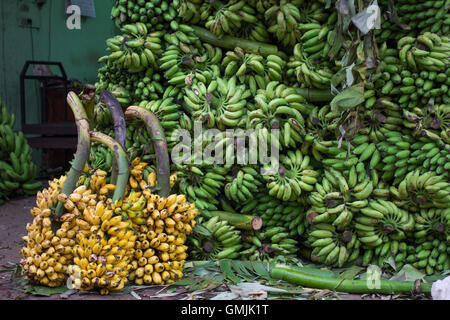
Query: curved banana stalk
(159,143)
(120,130)
(121,160)
(83,148)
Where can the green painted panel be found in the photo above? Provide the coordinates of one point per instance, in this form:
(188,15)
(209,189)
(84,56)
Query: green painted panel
(49,39)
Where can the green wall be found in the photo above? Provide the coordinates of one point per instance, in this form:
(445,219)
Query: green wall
(78,50)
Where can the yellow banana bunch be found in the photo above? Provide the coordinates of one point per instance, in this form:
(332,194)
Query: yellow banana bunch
(47,253)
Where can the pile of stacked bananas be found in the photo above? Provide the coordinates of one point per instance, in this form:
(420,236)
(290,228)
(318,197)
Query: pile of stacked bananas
(17,170)
(355,179)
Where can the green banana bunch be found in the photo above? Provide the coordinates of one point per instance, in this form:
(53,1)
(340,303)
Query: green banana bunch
(294,177)
(225,18)
(189,10)
(154,14)
(184,63)
(340,196)
(393,249)
(426,190)
(411,87)
(135,50)
(278,213)
(432,224)
(401,153)
(138,143)
(102,116)
(214,239)
(282,20)
(331,246)
(279,107)
(201,184)
(243,184)
(100,157)
(253,69)
(17,170)
(169,114)
(413,17)
(261,5)
(268,244)
(382,221)
(435,119)
(427,51)
(431,256)
(221,104)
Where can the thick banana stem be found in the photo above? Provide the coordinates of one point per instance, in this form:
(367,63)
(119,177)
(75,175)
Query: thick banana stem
(121,159)
(120,130)
(159,144)
(349,286)
(240,221)
(83,147)
(229,42)
(315,95)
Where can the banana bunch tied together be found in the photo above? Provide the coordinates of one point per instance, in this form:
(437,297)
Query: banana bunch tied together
(221,104)
(268,244)
(17,170)
(331,246)
(215,239)
(277,213)
(135,50)
(226,18)
(279,107)
(101,262)
(427,51)
(154,14)
(47,253)
(381,223)
(294,177)
(427,190)
(419,15)
(243,184)
(282,20)
(201,184)
(340,196)
(253,69)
